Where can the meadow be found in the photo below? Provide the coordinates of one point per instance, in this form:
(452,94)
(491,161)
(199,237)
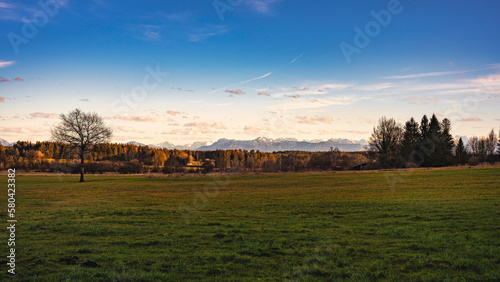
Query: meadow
(425,225)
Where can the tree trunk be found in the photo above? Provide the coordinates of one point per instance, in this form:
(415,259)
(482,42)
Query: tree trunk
(82,169)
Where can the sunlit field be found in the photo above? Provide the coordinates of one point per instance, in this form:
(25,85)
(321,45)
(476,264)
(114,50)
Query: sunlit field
(420,225)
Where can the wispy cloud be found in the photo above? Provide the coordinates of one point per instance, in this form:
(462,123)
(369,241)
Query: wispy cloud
(337,131)
(442,73)
(154,35)
(128,129)
(242,82)
(471,119)
(254,130)
(19,12)
(197,128)
(173,113)
(24,130)
(424,100)
(216,125)
(262,6)
(236,92)
(314,89)
(335,86)
(207,32)
(4,5)
(376,87)
(4,64)
(42,115)
(297,104)
(367,120)
(85,100)
(263,94)
(300,89)
(257,78)
(149,118)
(147,32)
(179,17)
(298,57)
(314,120)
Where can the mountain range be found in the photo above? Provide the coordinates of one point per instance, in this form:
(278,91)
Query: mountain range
(271,145)
(266,145)
(4,142)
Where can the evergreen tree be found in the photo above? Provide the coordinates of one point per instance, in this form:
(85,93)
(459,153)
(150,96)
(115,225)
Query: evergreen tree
(427,145)
(432,143)
(461,152)
(411,137)
(424,127)
(447,144)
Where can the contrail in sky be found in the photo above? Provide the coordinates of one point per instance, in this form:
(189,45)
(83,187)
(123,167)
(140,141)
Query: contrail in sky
(256,78)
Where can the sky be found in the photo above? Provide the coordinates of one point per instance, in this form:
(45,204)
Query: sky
(186,71)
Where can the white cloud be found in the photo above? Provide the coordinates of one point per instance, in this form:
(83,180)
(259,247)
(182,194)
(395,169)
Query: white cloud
(471,119)
(216,125)
(128,129)
(442,73)
(4,64)
(4,5)
(150,118)
(261,6)
(207,32)
(314,120)
(297,104)
(376,87)
(42,115)
(173,113)
(335,86)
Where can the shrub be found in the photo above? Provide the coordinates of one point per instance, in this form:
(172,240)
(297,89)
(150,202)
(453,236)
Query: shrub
(130,167)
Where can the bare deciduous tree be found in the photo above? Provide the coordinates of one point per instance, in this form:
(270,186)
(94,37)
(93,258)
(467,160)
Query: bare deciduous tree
(385,141)
(491,143)
(82,130)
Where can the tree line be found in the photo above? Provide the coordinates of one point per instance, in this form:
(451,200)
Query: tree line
(129,158)
(427,144)
(82,145)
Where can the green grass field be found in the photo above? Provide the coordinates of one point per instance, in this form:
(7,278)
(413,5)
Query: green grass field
(428,225)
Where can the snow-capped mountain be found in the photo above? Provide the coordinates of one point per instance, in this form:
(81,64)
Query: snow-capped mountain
(266,145)
(136,143)
(270,145)
(4,142)
(168,145)
(164,145)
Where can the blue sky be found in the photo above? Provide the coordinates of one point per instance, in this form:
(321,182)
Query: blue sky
(185,71)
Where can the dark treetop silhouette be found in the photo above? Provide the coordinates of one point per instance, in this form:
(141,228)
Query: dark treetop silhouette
(82,130)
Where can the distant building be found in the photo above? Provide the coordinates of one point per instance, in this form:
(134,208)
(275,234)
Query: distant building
(360,167)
